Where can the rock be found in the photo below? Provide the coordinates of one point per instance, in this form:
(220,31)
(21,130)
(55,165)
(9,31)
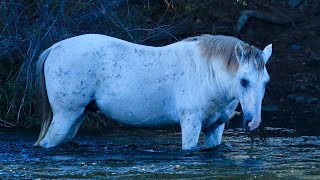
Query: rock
(295,48)
(292,97)
(312,100)
(295,3)
(300,100)
(270,108)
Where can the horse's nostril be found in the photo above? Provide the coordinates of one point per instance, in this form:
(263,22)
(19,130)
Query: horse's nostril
(247,123)
(246,120)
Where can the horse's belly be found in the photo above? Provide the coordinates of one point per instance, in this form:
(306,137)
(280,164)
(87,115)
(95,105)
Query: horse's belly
(138,110)
(145,122)
(137,116)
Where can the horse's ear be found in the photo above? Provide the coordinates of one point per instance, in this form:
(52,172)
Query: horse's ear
(267,53)
(239,52)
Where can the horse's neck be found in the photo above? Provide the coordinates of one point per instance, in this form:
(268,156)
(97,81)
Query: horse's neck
(207,82)
(218,78)
(224,82)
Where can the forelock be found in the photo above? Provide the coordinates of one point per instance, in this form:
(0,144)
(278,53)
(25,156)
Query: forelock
(254,55)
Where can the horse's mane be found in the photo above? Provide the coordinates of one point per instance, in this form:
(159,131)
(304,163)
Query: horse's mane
(223,47)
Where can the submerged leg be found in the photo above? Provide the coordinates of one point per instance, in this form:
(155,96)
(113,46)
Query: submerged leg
(213,132)
(63,128)
(190,130)
(213,136)
(75,128)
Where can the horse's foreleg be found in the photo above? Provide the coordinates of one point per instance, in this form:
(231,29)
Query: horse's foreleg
(190,129)
(63,127)
(212,137)
(213,132)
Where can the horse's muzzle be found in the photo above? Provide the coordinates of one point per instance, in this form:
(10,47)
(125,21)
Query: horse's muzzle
(246,120)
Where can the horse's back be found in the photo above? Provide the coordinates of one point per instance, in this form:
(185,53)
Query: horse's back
(129,82)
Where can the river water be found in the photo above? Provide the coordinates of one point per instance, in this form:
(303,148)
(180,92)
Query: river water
(125,153)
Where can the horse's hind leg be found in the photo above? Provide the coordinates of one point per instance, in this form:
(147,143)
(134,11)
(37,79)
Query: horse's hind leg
(63,127)
(73,131)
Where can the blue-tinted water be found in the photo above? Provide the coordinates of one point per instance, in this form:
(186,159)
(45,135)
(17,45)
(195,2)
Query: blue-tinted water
(156,154)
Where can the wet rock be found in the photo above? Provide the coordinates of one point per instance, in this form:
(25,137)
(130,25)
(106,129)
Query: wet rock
(295,3)
(312,100)
(295,48)
(177,167)
(270,108)
(292,97)
(300,100)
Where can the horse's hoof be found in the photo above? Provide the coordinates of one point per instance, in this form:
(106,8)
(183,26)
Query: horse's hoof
(36,144)
(45,144)
(196,148)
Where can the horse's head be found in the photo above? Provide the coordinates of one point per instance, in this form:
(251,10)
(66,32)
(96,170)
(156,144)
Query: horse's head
(251,80)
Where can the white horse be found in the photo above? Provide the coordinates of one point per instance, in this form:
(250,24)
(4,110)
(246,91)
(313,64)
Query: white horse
(197,82)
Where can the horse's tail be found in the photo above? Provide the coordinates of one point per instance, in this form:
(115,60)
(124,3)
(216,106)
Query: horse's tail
(43,101)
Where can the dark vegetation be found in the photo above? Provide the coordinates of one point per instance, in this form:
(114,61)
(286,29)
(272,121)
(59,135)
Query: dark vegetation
(27,27)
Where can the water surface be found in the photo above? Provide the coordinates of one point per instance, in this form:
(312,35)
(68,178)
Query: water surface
(153,154)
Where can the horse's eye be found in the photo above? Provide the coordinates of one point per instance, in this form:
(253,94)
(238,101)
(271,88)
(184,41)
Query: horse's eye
(244,82)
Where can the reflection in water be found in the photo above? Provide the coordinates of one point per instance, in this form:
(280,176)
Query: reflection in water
(148,154)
